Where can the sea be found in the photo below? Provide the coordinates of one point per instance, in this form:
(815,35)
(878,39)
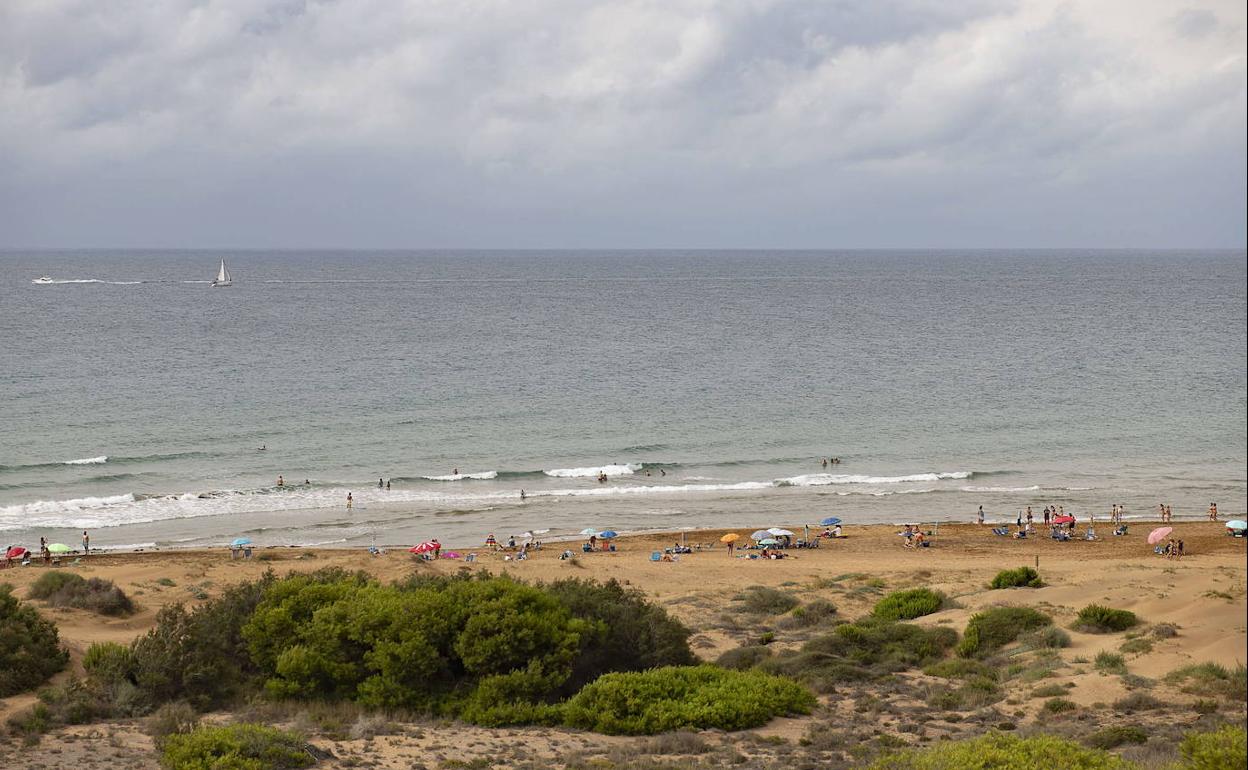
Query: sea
(155,411)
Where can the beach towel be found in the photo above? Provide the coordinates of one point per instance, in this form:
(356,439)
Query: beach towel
(1002,531)
(655,556)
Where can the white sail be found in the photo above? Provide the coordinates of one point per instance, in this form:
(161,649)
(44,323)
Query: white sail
(223,276)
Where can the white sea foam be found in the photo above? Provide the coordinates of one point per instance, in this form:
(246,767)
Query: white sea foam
(610,470)
(1032,488)
(482,475)
(824,479)
(87,461)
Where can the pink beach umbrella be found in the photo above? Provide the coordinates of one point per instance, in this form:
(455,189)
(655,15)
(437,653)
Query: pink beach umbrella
(1159,534)
(424,547)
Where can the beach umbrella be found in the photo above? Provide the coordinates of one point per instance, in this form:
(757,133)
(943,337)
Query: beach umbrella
(1237,524)
(768,541)
(1063,519)
(58,548)
(239,542)
(1159,534)
(424,547)
(831,521)
(610,533)
(780,532)
(589,531)
(15,552)
(760,535)
(731,537)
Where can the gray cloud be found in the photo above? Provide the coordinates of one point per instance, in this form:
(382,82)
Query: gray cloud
(630,123)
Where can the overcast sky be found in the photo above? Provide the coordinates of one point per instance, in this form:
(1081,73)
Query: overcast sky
(653,123)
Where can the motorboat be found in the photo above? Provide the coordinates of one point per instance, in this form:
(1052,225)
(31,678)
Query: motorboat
(43,281)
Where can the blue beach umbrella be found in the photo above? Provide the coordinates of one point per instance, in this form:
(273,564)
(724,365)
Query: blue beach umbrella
(831,521)
(240,541)
(610,533)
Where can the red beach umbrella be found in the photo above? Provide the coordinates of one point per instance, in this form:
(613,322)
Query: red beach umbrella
(16,552)
(1159,534)
(1063,520)
(424,547)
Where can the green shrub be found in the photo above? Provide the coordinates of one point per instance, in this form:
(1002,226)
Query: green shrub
(358,640)
(199,655)
(676,698)
(30,647)
(1224,749)
(1003,752)
(743,657)
(235,747)
(1098,619)
(907,605)
(1109,663)
(868,649)
(76,702)
(1212,679)
(960,668)
(171,719)
(975,692)
(66,589)
(1049,691)
(811,614)
(1118,735)
(1134,646)
(108,662)
(993,628)
(1047,638)
(1023,577)
(1137,701)
(1059,705)
(761,600)
(631,633)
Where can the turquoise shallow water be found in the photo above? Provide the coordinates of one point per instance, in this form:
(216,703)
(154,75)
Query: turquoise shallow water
(135,397)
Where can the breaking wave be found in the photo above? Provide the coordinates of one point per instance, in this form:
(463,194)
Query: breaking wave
(609,470)
(482,475)
(825,479)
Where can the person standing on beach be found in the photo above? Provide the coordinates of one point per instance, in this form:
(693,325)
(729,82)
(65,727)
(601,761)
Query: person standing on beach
(350,501)
(1213,511)
(86,543)
(981,514)
(437,549)
(1029,519)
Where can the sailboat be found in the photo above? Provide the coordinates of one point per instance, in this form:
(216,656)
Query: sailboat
(223,276)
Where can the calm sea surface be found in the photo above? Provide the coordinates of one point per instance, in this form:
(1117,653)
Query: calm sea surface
(134,398)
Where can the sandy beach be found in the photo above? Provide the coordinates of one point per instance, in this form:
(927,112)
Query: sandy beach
(1203,595)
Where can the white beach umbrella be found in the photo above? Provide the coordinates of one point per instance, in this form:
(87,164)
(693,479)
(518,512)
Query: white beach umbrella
(761,534)
(780,532)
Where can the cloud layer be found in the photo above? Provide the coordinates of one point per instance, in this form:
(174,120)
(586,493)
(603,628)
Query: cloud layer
(627,123)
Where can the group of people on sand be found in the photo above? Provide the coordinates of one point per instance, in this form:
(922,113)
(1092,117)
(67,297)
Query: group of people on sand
(1213,511)
(1164,511)
(1173,549)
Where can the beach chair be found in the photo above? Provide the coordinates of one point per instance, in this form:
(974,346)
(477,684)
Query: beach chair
(656,556)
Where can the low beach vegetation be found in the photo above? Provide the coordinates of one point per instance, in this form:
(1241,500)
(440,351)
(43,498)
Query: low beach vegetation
(910,604)
(68,589)
(761,600)
(744,657)
(990,630)
(690,697)
(235,747)
(1046,638)
(1109,663)
(1099,619)
(1211,679)
(488,650)
(1004,752)
(868,649)
(1223,749)
(1116,735)
(30,647)
(815,613)
(1023,577)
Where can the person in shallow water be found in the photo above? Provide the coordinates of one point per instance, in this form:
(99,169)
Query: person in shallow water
(350,501)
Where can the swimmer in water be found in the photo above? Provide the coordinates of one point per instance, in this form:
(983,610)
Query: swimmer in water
(262,447)
(281,482)
(522,495)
